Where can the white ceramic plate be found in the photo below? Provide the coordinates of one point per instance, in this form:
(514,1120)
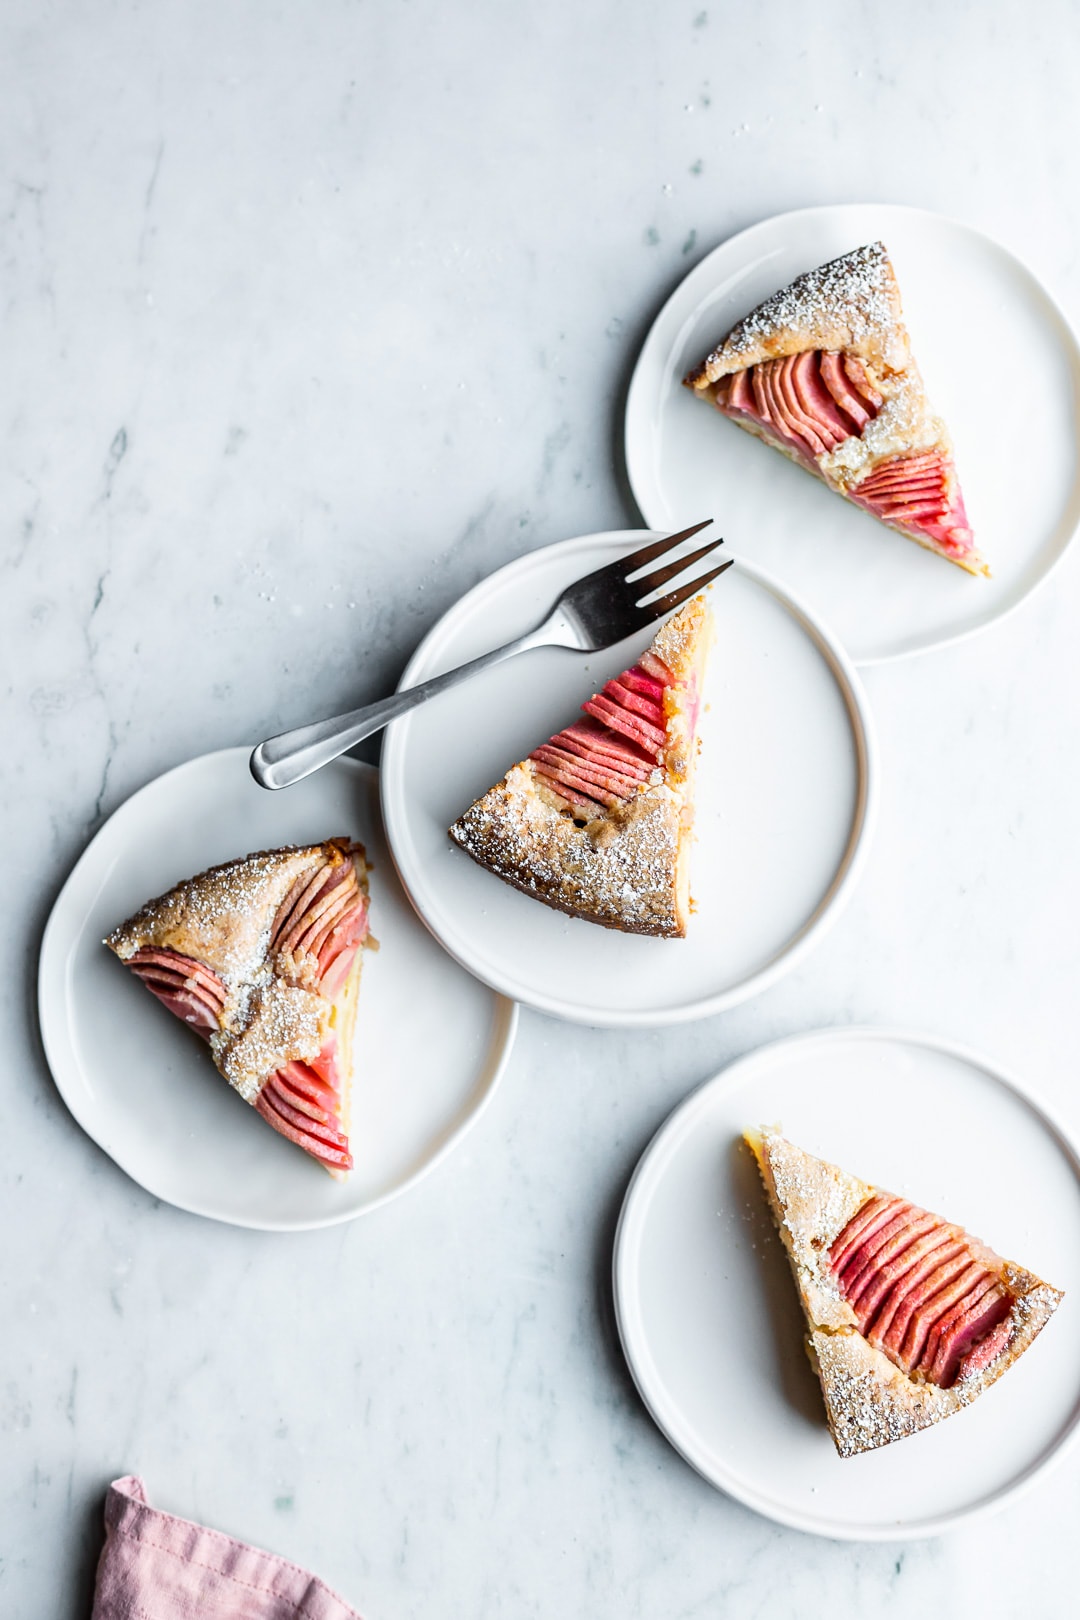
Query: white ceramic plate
(784,796)
(710,1320)
(431,1043)
(985,333)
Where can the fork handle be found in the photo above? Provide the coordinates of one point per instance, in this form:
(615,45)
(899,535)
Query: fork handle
(288,758)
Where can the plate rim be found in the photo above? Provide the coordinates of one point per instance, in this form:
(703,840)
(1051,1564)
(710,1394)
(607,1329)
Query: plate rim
(1070,331)
(844,882)
(729,1078)
(50,976)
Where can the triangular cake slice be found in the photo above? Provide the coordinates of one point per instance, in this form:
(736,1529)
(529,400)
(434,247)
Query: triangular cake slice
(261,957)
(910,1318)
(596,822)
(823,371)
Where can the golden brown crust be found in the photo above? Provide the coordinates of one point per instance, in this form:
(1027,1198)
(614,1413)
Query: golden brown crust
(811,1202)
(851,303)
(868,1400)
(617,870)
(627,868)
(681,640)
(221,916)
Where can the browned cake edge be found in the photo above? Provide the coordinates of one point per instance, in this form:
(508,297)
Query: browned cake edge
(222,917)
(850,303)
(869,1402)
(626,870)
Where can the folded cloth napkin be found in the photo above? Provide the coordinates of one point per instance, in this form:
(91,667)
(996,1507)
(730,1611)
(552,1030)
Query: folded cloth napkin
(156,1567)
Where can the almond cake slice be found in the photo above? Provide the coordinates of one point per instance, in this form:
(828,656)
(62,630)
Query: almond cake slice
(597,821)
(823,371)
(261,957)
(910,1317)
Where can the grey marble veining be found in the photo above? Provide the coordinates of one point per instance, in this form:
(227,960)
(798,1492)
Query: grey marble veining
(310,317)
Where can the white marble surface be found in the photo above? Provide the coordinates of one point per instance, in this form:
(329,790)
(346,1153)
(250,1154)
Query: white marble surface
(312,315)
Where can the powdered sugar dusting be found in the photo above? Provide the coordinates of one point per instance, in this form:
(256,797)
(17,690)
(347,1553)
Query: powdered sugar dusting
(856,289)
(224,917)
(284,1023)
(851,303)
(850,306)
(904,425)
(811,1202)
(869,1401)
(619,869)
(624,868)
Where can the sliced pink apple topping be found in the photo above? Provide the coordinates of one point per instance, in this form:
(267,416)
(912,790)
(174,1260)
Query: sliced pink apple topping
(922,1291)
(600,762)
(919,493)
(811,402)
(323,919)
(306,1107)
(188,988)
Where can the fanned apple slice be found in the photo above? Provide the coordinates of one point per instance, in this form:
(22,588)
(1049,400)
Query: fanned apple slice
(823,371)
(596,822)
(261,958)
(910,1318)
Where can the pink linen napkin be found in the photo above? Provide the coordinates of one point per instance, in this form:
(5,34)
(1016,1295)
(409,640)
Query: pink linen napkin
(157,1567)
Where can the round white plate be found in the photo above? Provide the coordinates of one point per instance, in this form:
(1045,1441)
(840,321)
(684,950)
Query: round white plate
(783,796)
(710,1320)
(990,342)
(431,1043)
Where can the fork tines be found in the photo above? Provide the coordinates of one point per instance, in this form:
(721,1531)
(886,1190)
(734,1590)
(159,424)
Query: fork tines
(652,582)
(656,548)
(660,576)
(666,604)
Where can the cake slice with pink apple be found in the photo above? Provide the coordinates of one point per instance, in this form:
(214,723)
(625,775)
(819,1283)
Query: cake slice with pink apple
(596,822)
(823,371)
(910,1318)
(261,958)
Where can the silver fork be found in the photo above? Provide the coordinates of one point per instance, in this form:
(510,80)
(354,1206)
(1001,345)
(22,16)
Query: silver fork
(593,613)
